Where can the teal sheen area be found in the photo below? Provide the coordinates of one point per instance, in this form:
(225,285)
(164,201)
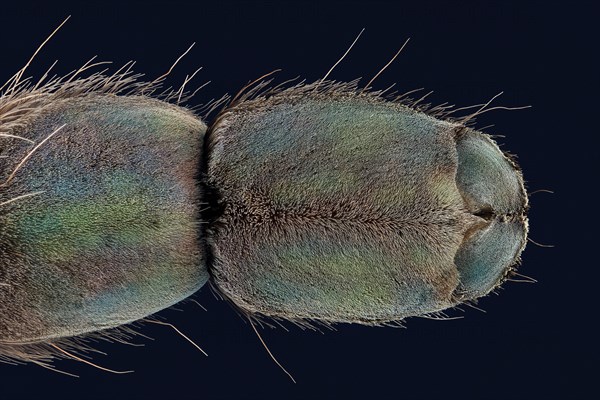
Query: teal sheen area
(488,180)
(338,148)
(484,258)
(114,234)
(378,281)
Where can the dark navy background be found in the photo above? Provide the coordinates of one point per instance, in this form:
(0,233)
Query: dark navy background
(534,340)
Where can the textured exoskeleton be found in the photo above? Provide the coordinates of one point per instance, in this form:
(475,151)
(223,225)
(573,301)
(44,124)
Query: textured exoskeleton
(342,206)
